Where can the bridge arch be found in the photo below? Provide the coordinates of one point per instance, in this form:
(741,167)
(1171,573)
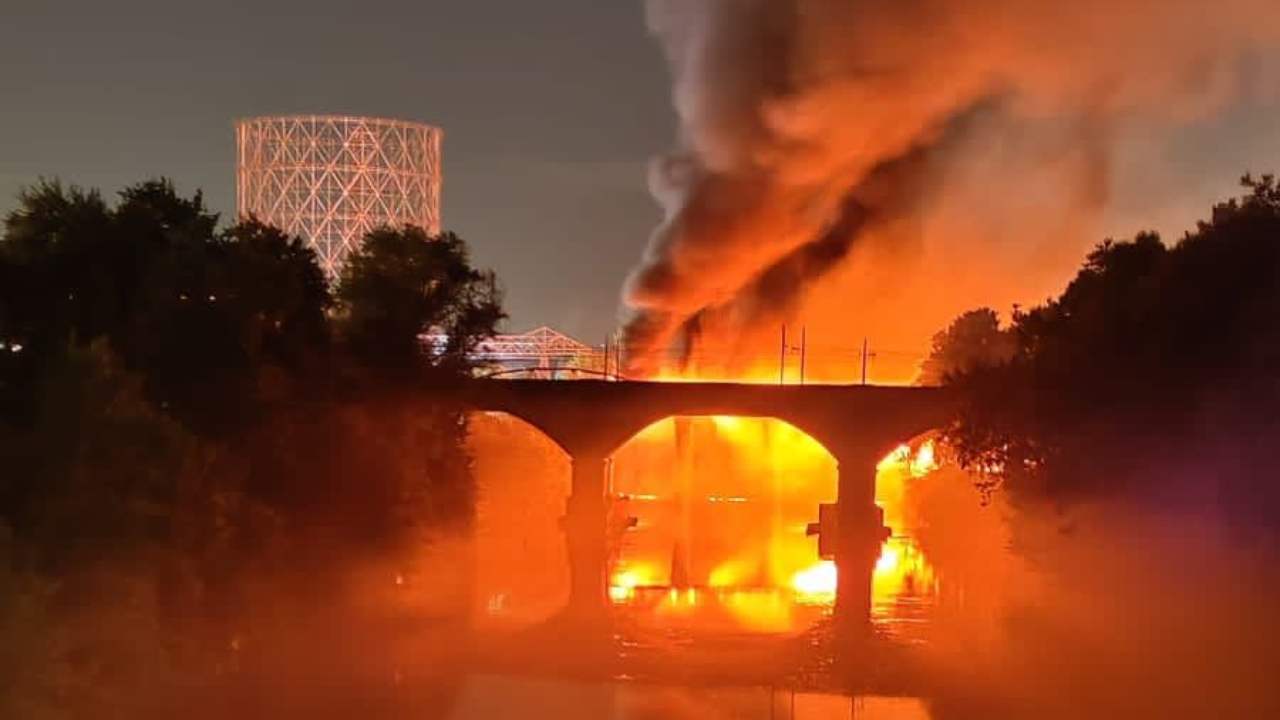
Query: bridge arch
(523,481)
(590,420)
(721,507)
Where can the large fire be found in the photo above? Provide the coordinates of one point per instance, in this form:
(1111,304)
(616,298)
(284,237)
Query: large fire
(710,518)
(707,525)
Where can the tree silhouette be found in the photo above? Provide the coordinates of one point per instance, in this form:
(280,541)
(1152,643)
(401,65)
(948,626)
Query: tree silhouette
(973,340)
(1156,372)
(200,314)
(184,409)
(403,283)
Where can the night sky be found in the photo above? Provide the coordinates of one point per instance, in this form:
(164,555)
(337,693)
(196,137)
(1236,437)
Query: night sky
(550,110)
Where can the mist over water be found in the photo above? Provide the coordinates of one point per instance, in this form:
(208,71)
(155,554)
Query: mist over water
(1123,609)
(1109,610)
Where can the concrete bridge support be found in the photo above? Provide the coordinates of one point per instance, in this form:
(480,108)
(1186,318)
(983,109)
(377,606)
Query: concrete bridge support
(591,419)
(584,529)
(860,534)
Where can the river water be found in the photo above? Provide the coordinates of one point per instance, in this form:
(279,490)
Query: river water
(505,696)
(678,654)
(708,648)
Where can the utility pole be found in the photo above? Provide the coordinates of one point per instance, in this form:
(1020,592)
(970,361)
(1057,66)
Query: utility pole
(606,358)
(804,346)
(782,358)
(864,361)
(617,357)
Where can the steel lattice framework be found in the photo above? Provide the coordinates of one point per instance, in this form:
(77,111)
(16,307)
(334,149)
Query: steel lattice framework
(542,353)
(542,345)
(332,178)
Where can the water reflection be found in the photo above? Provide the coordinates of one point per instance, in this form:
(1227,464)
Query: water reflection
(717,595)
(904,591)
(498,696)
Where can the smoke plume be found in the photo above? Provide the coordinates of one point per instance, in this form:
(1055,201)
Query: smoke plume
(888,163)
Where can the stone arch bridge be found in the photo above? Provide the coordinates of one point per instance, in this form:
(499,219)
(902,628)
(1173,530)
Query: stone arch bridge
(589,420)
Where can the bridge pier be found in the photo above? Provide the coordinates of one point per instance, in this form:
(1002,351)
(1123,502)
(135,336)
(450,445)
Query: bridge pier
(860,534)
(585,536)
(589,419)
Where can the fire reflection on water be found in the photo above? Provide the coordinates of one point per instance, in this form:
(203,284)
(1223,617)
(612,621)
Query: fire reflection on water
(904,585)
(709,528)
(720,508)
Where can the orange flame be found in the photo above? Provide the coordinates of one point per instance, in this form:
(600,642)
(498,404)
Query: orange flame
(723,503)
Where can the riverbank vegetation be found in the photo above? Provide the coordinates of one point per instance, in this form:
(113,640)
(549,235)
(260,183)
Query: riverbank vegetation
(1125,432)
(1155,374)
(199,436)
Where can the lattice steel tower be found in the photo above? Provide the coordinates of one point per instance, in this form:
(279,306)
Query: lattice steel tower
(332,178)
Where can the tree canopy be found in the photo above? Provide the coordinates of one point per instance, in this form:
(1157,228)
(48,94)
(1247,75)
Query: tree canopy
(1156,371)
(186,409)
(199,313)
(973,340)
(402,283)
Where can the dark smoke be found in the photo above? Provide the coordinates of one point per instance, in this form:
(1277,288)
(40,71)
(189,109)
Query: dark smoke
(811,127)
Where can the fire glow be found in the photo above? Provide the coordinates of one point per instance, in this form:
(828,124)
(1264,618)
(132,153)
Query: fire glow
(720,507)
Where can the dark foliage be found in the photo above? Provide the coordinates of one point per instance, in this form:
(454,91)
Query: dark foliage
(185,411)
(201,315)
(1157,371)
(402,283)
(974,340)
